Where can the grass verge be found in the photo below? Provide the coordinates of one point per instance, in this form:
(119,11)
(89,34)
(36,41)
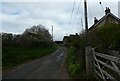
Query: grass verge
(15,56)
(74,64)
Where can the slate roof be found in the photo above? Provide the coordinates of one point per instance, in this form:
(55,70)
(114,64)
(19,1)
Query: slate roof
(103,18)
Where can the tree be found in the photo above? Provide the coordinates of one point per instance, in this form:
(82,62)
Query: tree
(37,36)
(7,39)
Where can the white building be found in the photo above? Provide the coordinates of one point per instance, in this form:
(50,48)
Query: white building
(119,9)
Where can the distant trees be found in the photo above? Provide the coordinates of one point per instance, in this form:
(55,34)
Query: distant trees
(7,39)
(33,43)
(36,36)
(39,32)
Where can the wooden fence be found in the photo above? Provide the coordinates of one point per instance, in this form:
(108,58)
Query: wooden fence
(102,66)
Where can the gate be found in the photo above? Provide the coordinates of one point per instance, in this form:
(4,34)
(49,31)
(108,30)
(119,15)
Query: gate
(102,66)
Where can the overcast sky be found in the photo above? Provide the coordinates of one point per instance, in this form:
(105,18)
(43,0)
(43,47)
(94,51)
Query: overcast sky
(17,15)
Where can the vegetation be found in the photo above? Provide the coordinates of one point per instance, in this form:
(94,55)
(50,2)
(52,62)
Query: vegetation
(75,60)
(35,42)
(103,39)
(36,36)
(15,56)
(73,64)
(106,38)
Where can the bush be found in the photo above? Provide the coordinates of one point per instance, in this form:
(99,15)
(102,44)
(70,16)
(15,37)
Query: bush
(75,60)
(73,63)
(106,37)
(74,69)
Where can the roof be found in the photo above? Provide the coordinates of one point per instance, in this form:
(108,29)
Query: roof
(58,42)
(65,37)
(99,21)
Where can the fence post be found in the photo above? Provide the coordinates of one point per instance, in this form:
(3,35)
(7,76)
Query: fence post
(89,62)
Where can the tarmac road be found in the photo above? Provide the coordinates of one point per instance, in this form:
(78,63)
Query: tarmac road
(47,67)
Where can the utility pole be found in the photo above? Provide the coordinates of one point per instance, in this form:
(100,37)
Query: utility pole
(52,32)
(86,20)
(88,50)
(82,24)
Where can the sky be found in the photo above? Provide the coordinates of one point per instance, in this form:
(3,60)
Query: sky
(18,15)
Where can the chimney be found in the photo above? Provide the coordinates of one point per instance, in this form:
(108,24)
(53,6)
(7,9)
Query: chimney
(76,34)
(107,11)
(95,20)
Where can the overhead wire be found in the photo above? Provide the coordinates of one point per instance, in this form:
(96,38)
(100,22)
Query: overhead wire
(101,5)
(71,14)
(28,10)
(78,24)
(90,15)
(82,20)
(89,11)
(19,3)
(82,24)
(76,13)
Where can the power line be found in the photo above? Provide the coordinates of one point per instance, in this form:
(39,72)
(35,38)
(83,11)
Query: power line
(76,13)
(72,13)
(89,10)
(28,10)
(69,22)
(82,24)
(19,3)
(78,17)
(90,15)
(101,5)
(52,32)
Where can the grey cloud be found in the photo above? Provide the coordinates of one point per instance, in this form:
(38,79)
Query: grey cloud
(47,14)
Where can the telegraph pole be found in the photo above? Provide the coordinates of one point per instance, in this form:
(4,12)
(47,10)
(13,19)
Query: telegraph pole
(88,50)
(86,19)
(86,22)
(82,24)
(52,32)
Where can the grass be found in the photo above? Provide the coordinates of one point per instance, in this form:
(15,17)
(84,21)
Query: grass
(74,64)
(15,56)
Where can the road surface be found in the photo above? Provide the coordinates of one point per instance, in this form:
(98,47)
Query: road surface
(47,67)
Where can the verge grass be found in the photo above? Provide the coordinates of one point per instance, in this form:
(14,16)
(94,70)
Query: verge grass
(15,56)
